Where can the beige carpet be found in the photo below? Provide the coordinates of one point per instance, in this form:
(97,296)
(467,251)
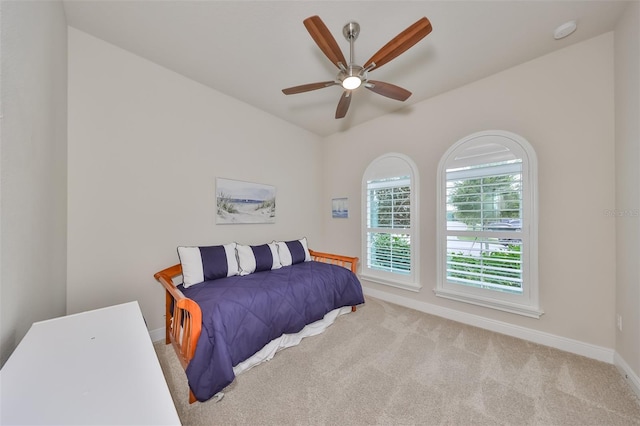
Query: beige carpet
(391,365)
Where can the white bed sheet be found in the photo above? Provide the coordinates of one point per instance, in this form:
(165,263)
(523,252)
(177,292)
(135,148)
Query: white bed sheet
(288,340)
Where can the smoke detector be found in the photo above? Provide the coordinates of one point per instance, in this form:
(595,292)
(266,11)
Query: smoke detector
(564,30)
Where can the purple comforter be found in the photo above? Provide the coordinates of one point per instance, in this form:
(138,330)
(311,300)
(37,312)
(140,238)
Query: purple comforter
(242,314)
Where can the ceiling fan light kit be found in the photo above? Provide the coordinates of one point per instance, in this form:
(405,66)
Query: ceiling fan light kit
(352,76)
(352,82)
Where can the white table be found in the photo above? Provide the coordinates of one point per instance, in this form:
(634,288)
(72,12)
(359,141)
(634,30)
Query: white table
(96,367)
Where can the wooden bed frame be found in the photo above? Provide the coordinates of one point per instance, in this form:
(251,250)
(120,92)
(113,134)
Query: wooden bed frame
(181,310)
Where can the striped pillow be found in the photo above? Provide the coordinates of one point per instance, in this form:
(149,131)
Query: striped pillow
(292,252)
(257,258)
(201,264)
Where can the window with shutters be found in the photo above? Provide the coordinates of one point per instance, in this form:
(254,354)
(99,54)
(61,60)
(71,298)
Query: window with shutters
(487,223)
(390,222)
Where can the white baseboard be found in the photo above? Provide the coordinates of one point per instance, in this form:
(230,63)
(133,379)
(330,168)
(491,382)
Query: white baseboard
(569,345)
(157,334)
(574,346)
(626,371)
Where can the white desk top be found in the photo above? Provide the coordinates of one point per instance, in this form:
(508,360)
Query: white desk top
(96,367)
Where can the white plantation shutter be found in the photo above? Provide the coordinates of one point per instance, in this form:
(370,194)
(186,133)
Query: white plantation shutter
(389,222)
(487,223)
(485,249)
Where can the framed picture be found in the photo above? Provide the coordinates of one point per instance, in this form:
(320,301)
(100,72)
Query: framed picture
(340,208)
(244,202)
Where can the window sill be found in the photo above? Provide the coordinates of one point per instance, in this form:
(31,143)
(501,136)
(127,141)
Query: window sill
(398,284)
(527,311)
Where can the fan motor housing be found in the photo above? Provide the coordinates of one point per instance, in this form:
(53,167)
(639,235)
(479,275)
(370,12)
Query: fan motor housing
(352,71)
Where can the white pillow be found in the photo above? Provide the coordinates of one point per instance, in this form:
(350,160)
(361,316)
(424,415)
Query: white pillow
(292,252)
(257,258)
(201,264)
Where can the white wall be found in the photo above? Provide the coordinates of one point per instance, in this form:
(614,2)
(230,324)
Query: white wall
(627,107)
(562,103)
(145,147)
(33,164)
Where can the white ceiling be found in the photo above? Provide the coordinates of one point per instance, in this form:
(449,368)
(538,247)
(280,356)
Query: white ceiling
(251,50)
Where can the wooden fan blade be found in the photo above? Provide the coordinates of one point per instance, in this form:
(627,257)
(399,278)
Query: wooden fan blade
(389,90)
(343,104)
(308,87)
(325,41)
(400,43)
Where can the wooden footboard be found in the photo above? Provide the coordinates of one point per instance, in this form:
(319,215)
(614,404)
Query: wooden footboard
(183,317)
(350,263)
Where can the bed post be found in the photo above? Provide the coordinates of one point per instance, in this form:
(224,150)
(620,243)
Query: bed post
(167,317)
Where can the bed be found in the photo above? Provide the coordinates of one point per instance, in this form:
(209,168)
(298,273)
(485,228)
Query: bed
(224,326)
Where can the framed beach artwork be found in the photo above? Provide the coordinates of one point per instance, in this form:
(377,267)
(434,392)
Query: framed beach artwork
(244,202)
(340,208)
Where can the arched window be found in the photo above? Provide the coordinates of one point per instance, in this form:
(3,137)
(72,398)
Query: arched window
(390,222)
(487,223)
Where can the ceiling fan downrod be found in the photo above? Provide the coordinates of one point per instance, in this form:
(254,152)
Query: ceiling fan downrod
(351,76)
(351,31)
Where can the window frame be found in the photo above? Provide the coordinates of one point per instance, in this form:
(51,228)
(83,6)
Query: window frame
(527,303)
(409,281)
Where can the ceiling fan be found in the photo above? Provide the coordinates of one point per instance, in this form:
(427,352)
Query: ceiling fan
(352,76)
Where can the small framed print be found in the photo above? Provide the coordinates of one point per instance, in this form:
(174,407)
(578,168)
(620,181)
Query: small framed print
(340,208)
